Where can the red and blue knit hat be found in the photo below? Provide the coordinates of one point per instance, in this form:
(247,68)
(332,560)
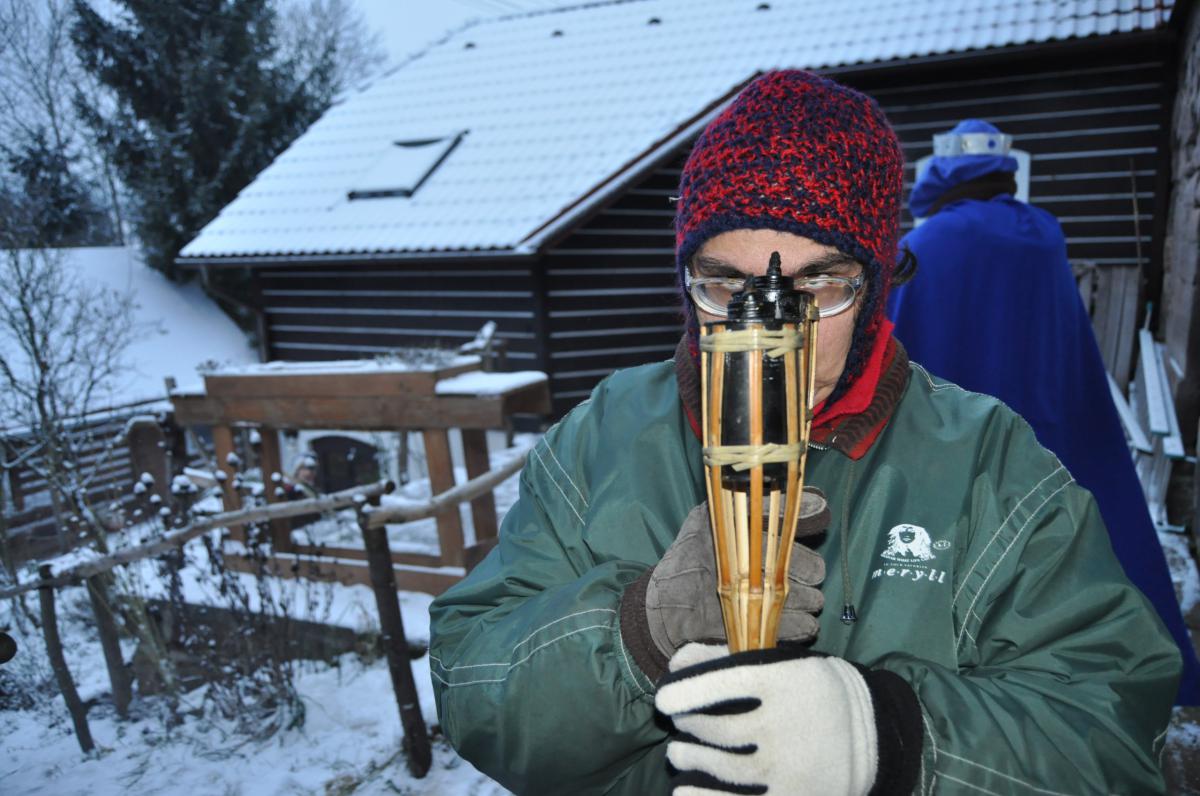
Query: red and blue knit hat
(799,153)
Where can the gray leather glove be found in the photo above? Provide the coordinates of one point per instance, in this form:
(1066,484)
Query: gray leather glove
(676,601)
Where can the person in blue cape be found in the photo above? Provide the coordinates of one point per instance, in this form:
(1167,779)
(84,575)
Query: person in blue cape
(995,308)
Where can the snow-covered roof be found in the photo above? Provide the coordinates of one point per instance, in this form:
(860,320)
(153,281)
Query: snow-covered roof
(182,328)
(552,110)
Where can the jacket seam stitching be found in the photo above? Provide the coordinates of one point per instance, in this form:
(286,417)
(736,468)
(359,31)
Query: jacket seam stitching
(1004,555)
(936,387)
(554,481)
(566,475)
(525,640)
(972,786)
(996,533)
(1017,780)
(928,727)
(517,663)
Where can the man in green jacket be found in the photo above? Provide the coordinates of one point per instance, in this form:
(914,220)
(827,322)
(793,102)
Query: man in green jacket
(984,639)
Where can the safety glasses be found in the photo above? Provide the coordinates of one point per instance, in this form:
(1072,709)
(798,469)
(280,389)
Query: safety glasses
(834,294)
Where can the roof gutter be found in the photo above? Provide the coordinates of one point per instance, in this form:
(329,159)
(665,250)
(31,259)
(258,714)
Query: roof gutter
(252,260)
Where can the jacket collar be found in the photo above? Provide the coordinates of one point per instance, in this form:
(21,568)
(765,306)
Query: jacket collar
(851,425)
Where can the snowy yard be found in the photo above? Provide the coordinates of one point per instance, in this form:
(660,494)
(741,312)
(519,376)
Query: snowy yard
(350,740)
(349,743)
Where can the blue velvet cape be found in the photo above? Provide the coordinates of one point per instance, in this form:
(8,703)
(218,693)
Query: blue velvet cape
(994,308)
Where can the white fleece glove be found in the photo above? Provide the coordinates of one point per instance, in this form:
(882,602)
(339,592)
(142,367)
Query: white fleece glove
(787,721)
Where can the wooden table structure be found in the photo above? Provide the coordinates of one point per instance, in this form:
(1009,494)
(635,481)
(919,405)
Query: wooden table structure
(371,396)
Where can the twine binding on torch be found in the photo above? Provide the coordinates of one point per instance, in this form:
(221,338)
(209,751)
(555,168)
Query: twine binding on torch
(775,342)
(744,457)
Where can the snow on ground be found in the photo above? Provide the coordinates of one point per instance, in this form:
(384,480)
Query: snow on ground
(184,327)
(1183,569)
(351,734)
(351,738)
(419,536)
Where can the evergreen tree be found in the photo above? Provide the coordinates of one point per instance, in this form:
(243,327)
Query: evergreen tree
(45,203)
(203,102)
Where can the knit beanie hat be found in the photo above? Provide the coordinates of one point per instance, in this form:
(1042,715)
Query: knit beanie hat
(799,153)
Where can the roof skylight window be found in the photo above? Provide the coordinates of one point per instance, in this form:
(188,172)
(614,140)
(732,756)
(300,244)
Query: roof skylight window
(404,167)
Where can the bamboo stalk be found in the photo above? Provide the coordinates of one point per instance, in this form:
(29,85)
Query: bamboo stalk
(714,439)
(755,588)
(792,374)
(741,511)
(772,600)
(729,547)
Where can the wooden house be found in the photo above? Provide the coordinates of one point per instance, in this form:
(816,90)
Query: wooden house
(522,169)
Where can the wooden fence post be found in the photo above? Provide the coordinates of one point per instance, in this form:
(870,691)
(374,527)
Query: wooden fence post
(222,448)
(106,626)
(441,478)
(383,582)
(148,454)
(483,508)
(271,462)
(59,664)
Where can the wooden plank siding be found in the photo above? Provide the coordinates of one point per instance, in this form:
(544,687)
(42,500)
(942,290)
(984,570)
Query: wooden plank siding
(611,299)
(349,311)
(603,296)
(1094,125)
(29,513)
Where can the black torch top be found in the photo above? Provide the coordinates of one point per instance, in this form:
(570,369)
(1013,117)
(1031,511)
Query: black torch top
(771,297)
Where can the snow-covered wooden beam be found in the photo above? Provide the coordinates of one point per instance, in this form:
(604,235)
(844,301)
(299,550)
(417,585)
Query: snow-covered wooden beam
(445,501)
(336,500)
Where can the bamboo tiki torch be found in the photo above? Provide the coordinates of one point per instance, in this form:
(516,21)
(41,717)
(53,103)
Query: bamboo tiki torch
(756,371)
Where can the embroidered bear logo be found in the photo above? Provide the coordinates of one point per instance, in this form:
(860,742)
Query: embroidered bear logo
(908,543)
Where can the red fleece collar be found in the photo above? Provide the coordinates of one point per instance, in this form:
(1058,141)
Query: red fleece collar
(858,397)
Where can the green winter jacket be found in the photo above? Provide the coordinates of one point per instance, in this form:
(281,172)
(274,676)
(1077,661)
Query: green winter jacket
(1038,667)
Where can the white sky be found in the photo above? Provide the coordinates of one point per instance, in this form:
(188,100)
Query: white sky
(409,26)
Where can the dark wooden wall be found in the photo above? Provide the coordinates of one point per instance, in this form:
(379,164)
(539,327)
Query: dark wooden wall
(30,525)
(349,311)
(1092,113)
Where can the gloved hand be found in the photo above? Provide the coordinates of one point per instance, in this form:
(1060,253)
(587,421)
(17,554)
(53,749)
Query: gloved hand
(788,721)
(676,601)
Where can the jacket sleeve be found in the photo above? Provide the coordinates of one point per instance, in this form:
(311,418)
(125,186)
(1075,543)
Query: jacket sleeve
(1065,676)
(532,683)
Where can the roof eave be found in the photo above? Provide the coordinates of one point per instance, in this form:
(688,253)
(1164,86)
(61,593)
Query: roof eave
(252,260)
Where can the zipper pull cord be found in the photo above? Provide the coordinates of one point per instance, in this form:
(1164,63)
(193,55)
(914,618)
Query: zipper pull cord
(849,615)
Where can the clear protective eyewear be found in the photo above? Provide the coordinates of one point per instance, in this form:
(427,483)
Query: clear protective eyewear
(834,293)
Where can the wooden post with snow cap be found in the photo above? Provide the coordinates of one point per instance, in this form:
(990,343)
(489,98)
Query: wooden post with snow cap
(417,753)
(271,463)
(148,453)
(223,448)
